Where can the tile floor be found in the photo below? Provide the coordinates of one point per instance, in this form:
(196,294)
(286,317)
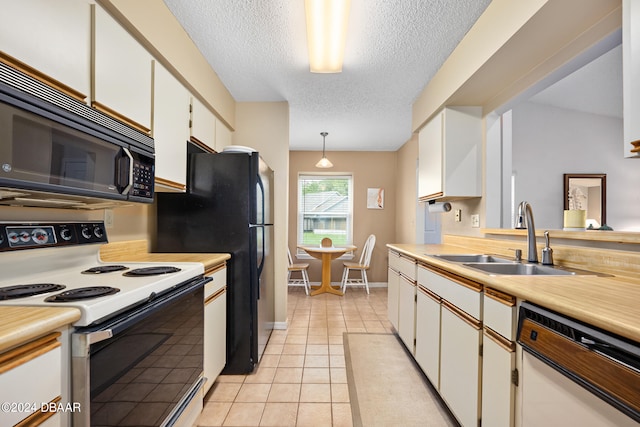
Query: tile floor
(301,380)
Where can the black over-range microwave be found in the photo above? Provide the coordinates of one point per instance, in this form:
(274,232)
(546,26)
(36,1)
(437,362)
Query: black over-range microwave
(56,151)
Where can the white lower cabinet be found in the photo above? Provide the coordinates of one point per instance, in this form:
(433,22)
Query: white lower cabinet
(460,366)
(407,312)
(428,334)
(30,377)
(498,389)
(215,326)
(393,282)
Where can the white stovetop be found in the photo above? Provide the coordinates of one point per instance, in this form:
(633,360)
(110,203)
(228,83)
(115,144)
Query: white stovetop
(64,266)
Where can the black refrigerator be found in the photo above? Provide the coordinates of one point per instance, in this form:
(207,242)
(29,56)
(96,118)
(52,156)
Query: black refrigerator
(227,208)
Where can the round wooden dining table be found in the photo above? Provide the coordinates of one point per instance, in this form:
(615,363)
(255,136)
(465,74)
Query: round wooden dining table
(327,254)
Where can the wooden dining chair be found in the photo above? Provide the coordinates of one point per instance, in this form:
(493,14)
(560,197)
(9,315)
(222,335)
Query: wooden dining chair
(362,266)
(301,268)
(326,242)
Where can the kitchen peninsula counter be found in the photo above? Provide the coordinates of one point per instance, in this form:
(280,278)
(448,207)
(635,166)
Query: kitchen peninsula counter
(19,325)
(610,303)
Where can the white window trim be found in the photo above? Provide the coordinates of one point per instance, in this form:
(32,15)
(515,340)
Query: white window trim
(299,253)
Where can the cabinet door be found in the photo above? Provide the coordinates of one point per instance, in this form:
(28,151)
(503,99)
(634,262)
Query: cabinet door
(393,282)
(170,129)
(460,364)
(631,73)
(428,335)
(122,73)
(407,313)
(430,158)
(215,333)
(223,136)
(54,37)
(498,391)
(203,123)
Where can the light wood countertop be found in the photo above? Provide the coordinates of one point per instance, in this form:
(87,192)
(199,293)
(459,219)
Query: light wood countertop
(136,250)
(19,325)
(610,303)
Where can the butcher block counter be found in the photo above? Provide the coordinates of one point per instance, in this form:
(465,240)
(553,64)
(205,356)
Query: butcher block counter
(136,250)
(609,302)
(19,325)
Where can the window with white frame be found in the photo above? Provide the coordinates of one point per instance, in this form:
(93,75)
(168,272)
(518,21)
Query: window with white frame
(325,209)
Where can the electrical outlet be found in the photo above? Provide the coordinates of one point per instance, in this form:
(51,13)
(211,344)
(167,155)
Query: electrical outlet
(108,218)
(475,221)
(458,215)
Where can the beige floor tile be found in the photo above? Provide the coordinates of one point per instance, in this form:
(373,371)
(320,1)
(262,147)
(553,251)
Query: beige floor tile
(284,393)
(341,415)
(315,393)
(270,360)
(317,349)
(253,393)
(335,349)
(291,361)
(273,348)
(316,361)
(296,339)
(316,376)
(318,340)
(280,414)
(340,393)
(337,361)
(213,414)
(263,375)
(297,331)
(338,375)
(318,331)
(294,349)
(231,378)
(314,414)
(224,392)
(244,414)
(356,330)
(277,339)
(337,339)
(288,375)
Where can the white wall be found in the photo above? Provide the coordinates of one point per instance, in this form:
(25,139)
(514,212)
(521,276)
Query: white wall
(550,141)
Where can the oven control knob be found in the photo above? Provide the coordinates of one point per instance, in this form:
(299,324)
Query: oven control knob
(13,237)
(40,236)
(98,232)
(65,233)
(25,236)
(86,233)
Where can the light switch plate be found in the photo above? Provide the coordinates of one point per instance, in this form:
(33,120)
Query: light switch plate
(458,216)
(108,218)
(475,221)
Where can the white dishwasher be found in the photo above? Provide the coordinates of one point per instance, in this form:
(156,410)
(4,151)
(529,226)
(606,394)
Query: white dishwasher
(574,374)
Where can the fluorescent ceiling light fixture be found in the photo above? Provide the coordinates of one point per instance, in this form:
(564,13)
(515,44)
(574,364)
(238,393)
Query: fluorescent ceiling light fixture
(324,163)
(326,34)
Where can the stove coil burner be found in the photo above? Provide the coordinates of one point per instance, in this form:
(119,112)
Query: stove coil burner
(104,269)
(82,294)
(151,271)
(23,291)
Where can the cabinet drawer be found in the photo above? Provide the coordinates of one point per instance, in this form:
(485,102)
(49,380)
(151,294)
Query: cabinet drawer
(403,264)
(219,281)
(464,296)
(31,373)
(500,313)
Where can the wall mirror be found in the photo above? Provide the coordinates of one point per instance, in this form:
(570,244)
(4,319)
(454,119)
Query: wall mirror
(587,192)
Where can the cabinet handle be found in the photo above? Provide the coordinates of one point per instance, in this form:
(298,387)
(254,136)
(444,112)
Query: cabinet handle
(468,319)
(215,269)
(462,281)
(38,418)
(215,296)
(23,354)
(500,297)
(407,279)
(500,340)
(430,294)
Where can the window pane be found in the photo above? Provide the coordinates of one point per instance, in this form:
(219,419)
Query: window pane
(324,209)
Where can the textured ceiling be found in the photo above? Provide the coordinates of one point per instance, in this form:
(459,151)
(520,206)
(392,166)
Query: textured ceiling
(258,49)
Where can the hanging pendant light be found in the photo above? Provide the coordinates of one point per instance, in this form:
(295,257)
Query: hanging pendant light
(324,162)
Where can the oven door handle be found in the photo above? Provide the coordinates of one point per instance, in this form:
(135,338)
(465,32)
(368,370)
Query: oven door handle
(97,336)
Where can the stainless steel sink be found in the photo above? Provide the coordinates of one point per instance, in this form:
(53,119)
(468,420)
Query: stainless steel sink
(519,269)
(473,258)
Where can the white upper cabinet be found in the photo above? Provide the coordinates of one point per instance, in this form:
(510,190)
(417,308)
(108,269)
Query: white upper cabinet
(122,73)
(631,74)
(223,136)
(52,37)
(203,123)
(170,129)
(450,155)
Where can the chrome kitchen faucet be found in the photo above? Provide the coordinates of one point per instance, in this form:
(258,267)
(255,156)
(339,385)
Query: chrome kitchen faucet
(524,210)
